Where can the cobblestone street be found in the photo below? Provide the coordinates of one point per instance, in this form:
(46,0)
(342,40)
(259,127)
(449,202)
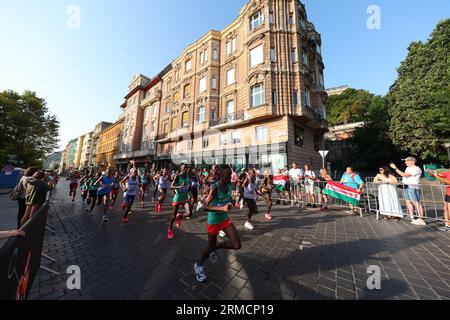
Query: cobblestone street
(300,255)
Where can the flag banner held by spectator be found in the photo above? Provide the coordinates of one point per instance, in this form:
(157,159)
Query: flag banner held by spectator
(280,182)
(20,258)
(341,192)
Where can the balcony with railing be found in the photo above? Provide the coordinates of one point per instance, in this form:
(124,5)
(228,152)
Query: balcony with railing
(230,119)
(155,95)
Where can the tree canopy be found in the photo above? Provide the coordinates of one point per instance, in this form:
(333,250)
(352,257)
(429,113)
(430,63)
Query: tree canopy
(418,102)
(27,130)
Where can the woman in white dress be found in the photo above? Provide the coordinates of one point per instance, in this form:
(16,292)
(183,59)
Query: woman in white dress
(390,206)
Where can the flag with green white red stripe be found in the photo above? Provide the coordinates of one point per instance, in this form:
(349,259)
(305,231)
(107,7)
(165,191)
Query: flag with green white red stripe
(341,192)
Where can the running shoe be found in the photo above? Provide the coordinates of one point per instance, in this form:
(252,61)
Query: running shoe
(419,222)
(105,219)
(222,234)
(179,219)
(143,205)
(444,229)
(170,235)
(199,273)
(268,217)
(249,226)
(124,220)
(214,257)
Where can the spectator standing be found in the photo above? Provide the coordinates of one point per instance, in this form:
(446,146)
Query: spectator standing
(324,177)
(389,203)
(36,194)
(444,178)
(21,190)
(295,181)
(310,177)
(352,180)
(411,178)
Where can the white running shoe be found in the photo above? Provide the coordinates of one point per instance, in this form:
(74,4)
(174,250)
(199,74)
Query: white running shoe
(249,226)
(199,206)
(419,222)
(222,234)
(199,273)
(105,219)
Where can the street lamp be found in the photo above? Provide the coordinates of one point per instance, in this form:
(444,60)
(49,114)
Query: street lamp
(447,146)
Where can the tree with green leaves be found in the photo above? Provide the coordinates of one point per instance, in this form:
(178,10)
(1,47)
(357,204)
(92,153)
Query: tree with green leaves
(370,145)
(351,106)
(27,130)
(418,102)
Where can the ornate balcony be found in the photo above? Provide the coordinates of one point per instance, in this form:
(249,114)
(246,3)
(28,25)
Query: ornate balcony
(152,98)
(229,119)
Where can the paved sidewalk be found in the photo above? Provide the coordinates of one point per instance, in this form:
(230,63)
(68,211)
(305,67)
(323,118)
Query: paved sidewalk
(300,255)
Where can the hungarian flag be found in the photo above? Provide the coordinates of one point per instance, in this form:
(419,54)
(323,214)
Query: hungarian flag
(280,182)
(341,192)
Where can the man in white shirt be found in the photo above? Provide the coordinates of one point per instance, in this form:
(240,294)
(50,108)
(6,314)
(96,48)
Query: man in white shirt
(310,177)
(295,179)
(411,178)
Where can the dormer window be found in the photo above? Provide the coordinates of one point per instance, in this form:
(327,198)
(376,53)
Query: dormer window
(256,20)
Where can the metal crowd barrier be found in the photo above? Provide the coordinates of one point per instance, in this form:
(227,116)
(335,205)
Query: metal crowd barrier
(318,200)
(432,198)
(389,202)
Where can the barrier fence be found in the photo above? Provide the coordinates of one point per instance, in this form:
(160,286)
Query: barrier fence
(378,199)
(391,200)
(20,258)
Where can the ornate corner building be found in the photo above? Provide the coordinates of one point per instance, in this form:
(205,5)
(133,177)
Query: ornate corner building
(251,94)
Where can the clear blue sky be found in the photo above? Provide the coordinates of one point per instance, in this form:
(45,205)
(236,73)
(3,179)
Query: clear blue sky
(83,74)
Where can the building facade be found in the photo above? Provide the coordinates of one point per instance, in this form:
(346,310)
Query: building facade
(72,150)
(108,145)
(337,91)
(52,162)
(95,138)
(251,94)
(86,152)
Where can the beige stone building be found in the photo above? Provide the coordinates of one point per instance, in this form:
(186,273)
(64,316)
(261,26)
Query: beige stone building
(108,145)
(251,94)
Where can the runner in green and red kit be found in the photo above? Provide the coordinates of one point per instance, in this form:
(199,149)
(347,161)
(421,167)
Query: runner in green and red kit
(218,205)
(180,185)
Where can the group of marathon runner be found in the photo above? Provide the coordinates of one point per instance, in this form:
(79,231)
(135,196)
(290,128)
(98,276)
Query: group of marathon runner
(217,192)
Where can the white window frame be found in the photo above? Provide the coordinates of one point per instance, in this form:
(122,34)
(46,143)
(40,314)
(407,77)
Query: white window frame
(231,80)
(201,116)
(229,104)
(205,142)
(254,94)
(257,56)
(262,134)
(202,85)
(188,64)
(223,139)
(256,20)
(236,137)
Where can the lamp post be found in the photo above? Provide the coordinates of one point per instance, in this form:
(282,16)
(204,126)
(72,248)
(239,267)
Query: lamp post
(447,146)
